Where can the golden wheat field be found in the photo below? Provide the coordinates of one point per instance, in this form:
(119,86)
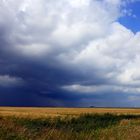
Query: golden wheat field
(21,123)
(53,112)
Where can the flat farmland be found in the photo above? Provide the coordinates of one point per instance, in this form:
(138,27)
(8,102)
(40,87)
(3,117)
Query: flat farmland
(52,112)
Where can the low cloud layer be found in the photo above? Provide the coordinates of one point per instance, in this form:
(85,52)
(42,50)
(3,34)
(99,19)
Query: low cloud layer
(6,81)
(67,51)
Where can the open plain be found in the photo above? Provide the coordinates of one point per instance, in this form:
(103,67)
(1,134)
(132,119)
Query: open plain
(18,123)
(53,112)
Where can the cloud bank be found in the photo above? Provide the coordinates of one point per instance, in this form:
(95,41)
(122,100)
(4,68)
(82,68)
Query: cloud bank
(61,48)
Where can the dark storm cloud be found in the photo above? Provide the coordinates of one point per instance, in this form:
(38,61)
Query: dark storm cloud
(63,54)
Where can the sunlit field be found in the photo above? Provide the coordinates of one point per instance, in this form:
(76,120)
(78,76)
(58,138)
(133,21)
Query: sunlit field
(69,124)
(53,112)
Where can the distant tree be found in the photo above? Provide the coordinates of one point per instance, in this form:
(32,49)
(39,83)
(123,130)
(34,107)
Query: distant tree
(92,106)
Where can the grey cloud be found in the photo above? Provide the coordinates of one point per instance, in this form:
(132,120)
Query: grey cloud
(7,81)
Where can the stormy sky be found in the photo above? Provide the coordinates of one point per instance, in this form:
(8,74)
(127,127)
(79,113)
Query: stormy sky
(72,53)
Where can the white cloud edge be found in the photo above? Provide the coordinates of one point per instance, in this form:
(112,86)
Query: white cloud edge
(100,89)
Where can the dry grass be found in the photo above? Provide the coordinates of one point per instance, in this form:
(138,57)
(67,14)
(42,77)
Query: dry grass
(53,112)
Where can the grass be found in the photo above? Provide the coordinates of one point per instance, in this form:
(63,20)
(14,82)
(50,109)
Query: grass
(82,127)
